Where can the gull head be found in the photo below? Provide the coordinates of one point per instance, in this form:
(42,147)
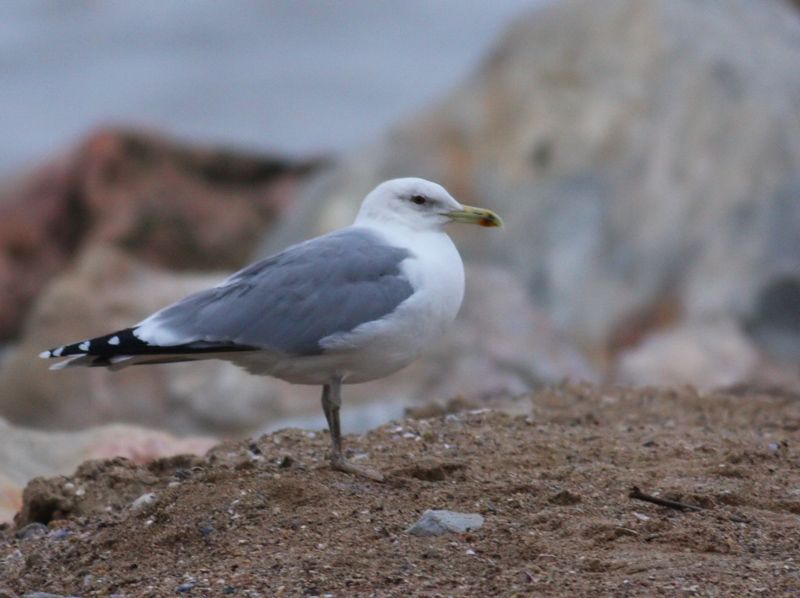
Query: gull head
(419,205)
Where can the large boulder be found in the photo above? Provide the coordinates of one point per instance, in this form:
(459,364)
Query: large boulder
(645,157)
(167,203)
(508,351)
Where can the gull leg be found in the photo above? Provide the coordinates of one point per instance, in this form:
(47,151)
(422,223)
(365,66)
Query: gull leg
(331,402)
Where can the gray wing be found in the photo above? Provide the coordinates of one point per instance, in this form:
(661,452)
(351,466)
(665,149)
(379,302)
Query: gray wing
(292,300)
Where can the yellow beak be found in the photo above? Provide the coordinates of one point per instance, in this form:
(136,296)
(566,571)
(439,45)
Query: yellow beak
(472,215)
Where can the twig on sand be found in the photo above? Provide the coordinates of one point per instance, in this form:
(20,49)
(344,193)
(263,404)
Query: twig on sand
(637,494)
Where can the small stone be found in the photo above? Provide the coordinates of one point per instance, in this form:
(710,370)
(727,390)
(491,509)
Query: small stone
(438,522)
(185,587)
(42,595)
(59,534)
(207,530)
(32,530)
(182,474)
(145,500)
(254,448)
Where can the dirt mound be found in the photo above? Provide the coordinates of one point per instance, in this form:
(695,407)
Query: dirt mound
(268,518)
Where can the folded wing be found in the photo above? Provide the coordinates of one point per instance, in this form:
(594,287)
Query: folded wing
(286,303)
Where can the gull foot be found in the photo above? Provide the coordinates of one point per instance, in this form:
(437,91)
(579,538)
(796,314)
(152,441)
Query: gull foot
(364,472)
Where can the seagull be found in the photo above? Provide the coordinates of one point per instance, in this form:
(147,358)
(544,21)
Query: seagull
(350,306)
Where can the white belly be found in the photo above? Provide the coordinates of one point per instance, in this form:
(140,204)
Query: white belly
(376,349)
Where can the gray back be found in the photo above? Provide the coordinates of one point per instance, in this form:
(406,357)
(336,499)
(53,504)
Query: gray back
(292,300)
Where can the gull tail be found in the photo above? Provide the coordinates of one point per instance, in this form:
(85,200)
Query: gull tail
(124,348)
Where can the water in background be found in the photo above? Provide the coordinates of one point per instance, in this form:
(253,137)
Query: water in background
(298,76)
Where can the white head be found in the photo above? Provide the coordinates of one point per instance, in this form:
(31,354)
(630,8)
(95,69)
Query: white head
(419,205)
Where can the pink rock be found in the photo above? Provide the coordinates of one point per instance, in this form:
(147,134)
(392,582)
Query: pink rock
(167,203)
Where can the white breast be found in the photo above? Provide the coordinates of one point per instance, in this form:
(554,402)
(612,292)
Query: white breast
(436,273)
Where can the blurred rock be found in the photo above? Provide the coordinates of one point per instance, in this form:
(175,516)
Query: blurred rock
(108,290)
(26,454)
(643,153)
(500,345)
(706,355)
(169,204)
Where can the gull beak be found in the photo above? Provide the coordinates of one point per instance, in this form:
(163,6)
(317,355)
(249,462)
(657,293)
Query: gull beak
(472,215)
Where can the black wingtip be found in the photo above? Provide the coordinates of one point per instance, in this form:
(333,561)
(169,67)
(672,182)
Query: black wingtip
(125,342)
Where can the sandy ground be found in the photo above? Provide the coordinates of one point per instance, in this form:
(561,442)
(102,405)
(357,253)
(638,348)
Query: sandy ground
(270,519)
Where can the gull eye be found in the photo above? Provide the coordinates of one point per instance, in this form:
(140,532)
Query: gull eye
(420,200)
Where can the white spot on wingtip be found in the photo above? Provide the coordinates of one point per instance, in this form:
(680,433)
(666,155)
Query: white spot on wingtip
(44,354)
(84,346)
(150,332)
(114,340)
(57,352)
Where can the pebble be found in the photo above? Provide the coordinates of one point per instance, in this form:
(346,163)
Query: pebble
(32,530)
(145,500)
(182,474)
(185,587)
(438,522)
(42,595)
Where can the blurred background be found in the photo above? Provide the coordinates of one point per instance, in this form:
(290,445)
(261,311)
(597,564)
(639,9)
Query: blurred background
(645,155)
(297,78)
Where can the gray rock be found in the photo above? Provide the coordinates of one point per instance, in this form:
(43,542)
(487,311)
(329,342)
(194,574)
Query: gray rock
(643,153)
(43,595)
(439,522)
